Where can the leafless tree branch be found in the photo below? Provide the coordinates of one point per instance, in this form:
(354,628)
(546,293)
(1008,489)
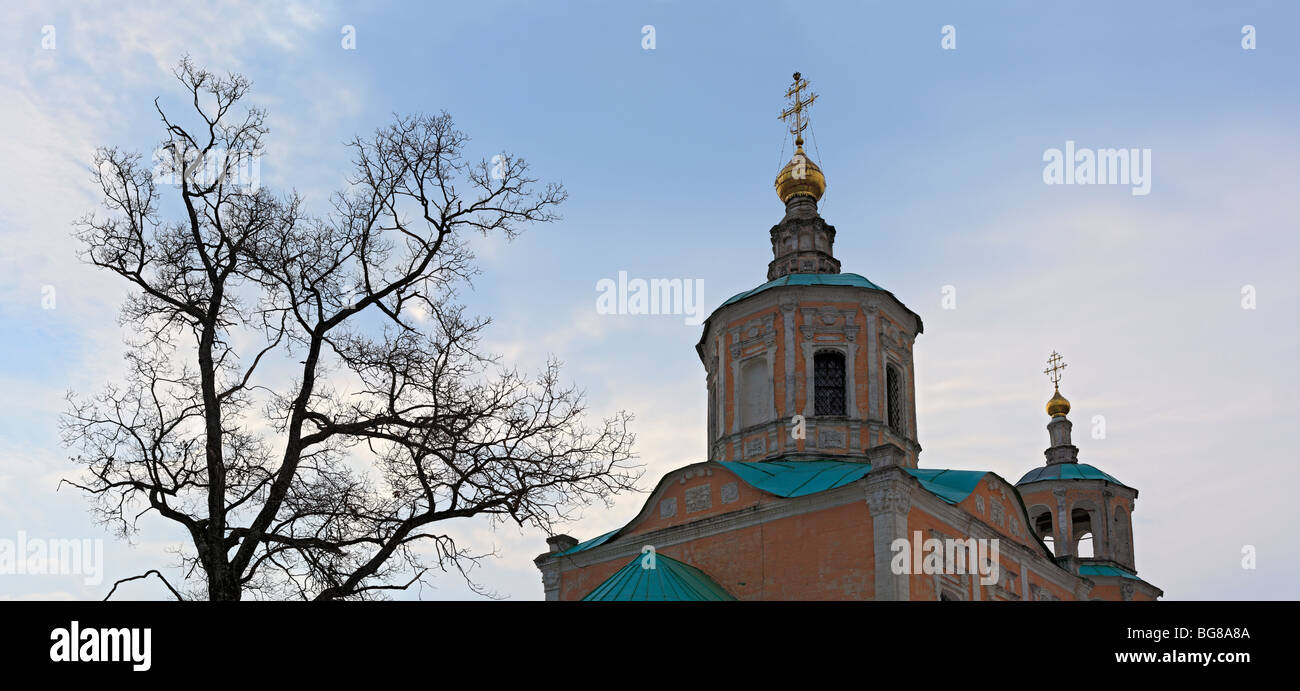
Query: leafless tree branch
(146,574)
(393,420)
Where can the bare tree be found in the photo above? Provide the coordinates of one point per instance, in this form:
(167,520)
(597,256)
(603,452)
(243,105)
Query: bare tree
(305,396)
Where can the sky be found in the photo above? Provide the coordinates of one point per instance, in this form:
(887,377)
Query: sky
(1176,309)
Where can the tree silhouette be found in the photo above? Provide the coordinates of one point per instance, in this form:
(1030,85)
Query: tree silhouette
(305,396)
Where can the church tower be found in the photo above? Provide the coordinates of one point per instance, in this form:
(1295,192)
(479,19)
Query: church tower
(1083,514)
(814,363)
(810,478)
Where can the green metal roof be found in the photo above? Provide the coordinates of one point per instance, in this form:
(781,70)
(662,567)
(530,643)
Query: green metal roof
(808,280)
(593,542)
(1067,471)
(668,580)
(952,486)
(791,479)
(1106,570)
(797,478)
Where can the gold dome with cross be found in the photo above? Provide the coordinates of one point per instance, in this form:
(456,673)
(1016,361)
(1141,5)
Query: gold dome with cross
(800,176)
(1058,404)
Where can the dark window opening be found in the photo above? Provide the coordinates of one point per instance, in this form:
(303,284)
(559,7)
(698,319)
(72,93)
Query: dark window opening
(828,383)
(894,392)
(1043,523)
(1082,527)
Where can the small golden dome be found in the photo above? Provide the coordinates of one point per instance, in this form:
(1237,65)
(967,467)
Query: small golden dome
(800,176)
(1058,405)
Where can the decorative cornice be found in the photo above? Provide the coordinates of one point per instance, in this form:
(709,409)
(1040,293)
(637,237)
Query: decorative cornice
(827,320)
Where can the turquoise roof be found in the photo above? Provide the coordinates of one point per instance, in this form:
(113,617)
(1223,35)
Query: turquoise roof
(593,542)
(1106,570)
(952,486)
(1067,471)
(797,478)
(800,478)
(808,280)
(668,580)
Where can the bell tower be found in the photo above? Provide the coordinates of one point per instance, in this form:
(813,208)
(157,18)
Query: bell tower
(815,363)
(1082,512)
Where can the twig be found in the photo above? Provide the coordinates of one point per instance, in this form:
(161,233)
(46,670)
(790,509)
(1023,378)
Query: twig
(145,575)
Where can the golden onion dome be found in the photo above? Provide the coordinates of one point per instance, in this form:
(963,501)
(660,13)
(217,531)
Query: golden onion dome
(1058,405)
(800,176)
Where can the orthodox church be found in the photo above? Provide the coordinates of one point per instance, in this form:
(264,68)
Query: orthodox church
(812,489)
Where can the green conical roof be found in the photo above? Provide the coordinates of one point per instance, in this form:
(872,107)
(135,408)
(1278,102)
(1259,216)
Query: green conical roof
(668,580)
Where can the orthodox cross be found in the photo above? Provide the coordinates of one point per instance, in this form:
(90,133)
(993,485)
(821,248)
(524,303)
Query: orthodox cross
(795,113)
(1054,367)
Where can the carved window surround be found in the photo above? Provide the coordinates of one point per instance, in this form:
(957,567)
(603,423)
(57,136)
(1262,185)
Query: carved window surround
(835,330)
(754,338)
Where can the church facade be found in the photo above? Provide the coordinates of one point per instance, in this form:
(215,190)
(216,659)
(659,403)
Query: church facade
(813,489)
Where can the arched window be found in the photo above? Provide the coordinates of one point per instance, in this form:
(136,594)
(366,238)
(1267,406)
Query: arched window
(828,383)
(1081,519)
(894,399)
(1040,520)
(755,392)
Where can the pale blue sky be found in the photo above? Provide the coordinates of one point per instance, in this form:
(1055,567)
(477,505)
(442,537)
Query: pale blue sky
(934,164)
